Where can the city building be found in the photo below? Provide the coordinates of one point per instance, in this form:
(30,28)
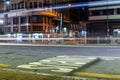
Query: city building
(21,20)
(104,20)
(29,22)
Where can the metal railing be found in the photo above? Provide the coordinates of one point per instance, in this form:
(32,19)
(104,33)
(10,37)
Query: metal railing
(57,40)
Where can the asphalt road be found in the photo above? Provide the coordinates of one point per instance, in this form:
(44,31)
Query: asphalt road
(22,54)
(49,51)
(15,55)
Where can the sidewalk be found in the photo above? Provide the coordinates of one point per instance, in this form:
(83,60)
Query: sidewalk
(61,45)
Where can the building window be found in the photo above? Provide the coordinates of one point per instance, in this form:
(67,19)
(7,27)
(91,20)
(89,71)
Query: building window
(31,5)
(7,29)
(23,19)
(15,29)
(29,19)
(15,20)
(95,13)
(47,1)
(26,5)
(37,28)
(23,28)
(35,4)
(29,28)
(104,12)
(111,11)
(12,6)
(36,19)
(15,5)
(9,21)
(18,5)
(40,4)
(22,5)
(118,11)
(7,8)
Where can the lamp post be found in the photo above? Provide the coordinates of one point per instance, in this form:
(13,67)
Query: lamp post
(107,21)
(61,22)
(6,7)
(7,3)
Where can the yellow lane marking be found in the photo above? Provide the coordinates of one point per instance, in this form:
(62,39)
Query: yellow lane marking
(96,75)
(4,65)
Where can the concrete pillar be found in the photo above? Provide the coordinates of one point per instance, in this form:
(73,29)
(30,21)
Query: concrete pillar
(47,24)
(27,28)
(43,23)
(51,25)
(11,24)
(19,24)
(31,27)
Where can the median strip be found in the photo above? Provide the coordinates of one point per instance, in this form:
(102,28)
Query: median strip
(97,75)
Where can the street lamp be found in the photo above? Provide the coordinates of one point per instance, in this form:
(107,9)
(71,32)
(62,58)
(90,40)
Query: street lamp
(61,22)
(7,2)
(6,8)
(107,21)
(1,21)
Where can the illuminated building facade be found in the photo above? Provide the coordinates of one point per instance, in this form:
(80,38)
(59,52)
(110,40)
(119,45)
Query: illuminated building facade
(44,21)
(104,20)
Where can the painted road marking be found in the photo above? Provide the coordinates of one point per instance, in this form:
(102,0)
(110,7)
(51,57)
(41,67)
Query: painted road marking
(62,64)
(96,75)
(4,65)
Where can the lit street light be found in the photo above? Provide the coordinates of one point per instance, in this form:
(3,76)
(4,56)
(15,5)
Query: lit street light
(7,2)
(1,21)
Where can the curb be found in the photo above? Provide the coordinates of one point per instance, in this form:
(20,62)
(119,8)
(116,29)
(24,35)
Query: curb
(97,75)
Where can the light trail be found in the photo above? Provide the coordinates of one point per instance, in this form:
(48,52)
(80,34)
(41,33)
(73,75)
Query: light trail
(85,4)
